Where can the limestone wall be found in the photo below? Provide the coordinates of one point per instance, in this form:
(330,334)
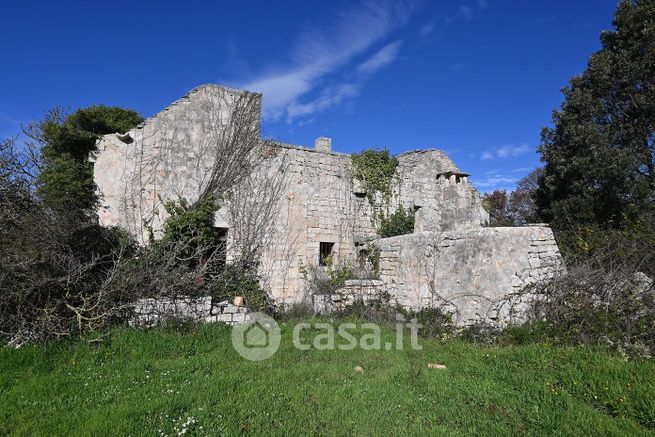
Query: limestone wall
(322,203)
(441,203)
(318,206)
(316,201)
(151,312)
(167,157)
(469,271)
(363,291)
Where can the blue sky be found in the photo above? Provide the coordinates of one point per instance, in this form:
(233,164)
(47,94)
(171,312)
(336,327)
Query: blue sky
(477,78)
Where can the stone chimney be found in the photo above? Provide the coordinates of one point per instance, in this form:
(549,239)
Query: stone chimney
(323,144)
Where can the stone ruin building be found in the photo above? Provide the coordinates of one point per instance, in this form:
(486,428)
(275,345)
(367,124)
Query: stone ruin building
(319,208)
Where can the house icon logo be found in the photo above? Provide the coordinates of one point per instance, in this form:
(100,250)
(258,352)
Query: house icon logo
(258,339)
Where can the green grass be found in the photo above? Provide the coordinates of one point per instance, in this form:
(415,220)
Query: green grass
(151,383)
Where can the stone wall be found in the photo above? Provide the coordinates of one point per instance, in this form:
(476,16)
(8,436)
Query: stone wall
(150,312)
(353,291)
(316,201)
(167,157)
(318,206)
(470,272)
(323,203)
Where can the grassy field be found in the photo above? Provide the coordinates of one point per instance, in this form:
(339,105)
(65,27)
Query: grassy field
(172,383)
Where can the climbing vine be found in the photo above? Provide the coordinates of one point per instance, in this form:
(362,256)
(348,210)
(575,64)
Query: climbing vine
(376,169)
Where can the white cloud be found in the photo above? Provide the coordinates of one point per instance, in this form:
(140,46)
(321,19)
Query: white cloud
(426,30)
(323,51)
(506,151)
(330,96)
(465,11)
(523,170)
(382,58)
(495,182)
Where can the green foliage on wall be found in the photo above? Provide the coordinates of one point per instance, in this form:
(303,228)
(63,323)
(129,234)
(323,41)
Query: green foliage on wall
(373,255)
(325,280)
(376,169)
(66,180)
(401,222)
(188,223)
(235,281)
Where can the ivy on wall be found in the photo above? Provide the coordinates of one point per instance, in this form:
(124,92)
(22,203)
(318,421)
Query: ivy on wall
(376,169)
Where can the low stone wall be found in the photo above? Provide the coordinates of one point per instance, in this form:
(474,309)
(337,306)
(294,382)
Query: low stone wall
(354,290)
(150,312)
(472,273)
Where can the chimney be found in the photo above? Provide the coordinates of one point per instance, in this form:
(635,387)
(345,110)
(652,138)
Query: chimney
(323,144)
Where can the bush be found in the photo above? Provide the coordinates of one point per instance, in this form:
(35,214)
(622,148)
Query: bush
(235,281)
(596,306)
(401,222)
(189,261)
(434,323)
(326,280)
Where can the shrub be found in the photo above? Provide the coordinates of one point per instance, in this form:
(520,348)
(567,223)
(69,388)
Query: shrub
(235,281)
(401,222)
(326,280)
(593,305)
(434,323)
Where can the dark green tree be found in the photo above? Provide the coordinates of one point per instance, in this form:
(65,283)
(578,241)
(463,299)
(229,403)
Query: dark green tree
(66,180)
(599,154)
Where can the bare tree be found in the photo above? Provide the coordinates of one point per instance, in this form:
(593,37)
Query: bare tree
(522,206)
(50,279)
(254,204)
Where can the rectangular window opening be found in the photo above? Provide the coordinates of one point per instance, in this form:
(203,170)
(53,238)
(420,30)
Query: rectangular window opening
(325,253)
(219,250)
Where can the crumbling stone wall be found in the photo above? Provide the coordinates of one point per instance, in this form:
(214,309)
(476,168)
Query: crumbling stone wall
(430,184)
(151,312)
(363,291)
(167,157)
(170,156)
(469,272)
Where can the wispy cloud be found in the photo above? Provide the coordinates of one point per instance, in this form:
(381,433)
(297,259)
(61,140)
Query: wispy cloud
(505,151)
(426,29)
(495,182)
(523,170)
(467,12)
(385,56)
(326,50)
(330,96)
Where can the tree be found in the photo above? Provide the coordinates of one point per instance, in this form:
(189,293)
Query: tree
(65,182)
(522,206)
(599,154)
(497,204)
